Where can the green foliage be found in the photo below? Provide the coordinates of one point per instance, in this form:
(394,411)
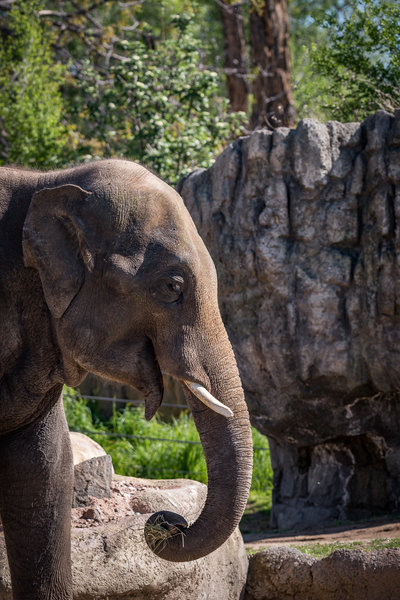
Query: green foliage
(257,6)
(159,105)
(360,56)
(311,89)
(30,101)
(141,457)
(154,459)
(157,459)
(137,81)
(78,413)
(262,473)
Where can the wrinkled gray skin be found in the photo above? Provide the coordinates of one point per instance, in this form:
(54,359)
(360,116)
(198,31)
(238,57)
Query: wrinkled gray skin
(102,270)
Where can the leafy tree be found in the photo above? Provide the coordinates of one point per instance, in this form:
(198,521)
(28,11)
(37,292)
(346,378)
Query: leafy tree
(31,106)
(310,88)
(156,105)
(360,56)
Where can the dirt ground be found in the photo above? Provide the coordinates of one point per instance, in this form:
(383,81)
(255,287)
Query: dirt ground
(379,528)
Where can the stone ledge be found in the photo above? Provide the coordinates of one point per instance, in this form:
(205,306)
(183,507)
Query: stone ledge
(287,574)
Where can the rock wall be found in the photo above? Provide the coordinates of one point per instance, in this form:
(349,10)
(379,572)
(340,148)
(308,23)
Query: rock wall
(304,228)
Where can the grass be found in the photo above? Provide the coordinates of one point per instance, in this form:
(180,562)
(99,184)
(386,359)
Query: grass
(318,550)
(321,550)
(162,459)
(140,457)
(257,513)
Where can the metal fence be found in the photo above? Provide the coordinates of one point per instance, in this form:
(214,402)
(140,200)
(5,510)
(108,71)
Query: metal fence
(139,437)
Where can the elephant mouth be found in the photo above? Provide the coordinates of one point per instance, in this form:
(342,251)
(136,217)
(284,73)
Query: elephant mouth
(153,401)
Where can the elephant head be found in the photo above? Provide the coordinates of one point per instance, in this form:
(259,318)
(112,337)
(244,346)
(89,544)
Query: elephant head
(132,292)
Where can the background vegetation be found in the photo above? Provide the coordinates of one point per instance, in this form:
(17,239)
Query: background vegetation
(159,450)
(147,80)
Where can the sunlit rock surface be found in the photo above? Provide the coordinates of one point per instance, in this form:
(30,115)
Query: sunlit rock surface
(111,560)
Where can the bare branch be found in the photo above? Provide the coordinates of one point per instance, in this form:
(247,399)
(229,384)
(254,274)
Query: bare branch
(6,4)
(131,27)
(53,13)
(230,7)
(129,4)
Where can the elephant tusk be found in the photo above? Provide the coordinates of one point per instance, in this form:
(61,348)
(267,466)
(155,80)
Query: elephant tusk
(204,396)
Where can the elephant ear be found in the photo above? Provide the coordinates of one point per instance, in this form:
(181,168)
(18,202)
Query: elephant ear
(55,244)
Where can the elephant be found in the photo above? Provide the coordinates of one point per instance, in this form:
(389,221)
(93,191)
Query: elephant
(102,270)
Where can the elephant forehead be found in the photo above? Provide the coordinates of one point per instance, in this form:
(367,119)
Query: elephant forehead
(126,193)
(133,209)
(151,205)
(155,217)
(161,207)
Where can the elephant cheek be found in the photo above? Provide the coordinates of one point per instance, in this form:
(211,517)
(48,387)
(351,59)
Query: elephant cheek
(147,377)
(131,363)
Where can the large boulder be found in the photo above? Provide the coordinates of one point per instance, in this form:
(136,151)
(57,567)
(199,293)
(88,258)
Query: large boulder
(287,574)
(111,559)
(304,228)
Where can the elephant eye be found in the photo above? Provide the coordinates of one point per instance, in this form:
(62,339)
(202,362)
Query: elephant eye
(168,289)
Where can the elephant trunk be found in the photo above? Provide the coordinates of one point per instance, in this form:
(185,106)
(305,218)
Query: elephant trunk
(227,447)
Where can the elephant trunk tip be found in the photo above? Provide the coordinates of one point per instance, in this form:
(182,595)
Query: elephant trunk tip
(161,527)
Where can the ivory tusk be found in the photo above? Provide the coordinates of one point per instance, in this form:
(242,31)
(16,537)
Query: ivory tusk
(204,396)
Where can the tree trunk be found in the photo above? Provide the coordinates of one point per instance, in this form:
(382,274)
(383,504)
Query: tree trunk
(269,40)
(235,55)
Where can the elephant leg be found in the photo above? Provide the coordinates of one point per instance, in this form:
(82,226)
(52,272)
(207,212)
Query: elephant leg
(36,481)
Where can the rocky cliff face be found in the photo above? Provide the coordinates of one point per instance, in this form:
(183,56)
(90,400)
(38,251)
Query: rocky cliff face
(304,228)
